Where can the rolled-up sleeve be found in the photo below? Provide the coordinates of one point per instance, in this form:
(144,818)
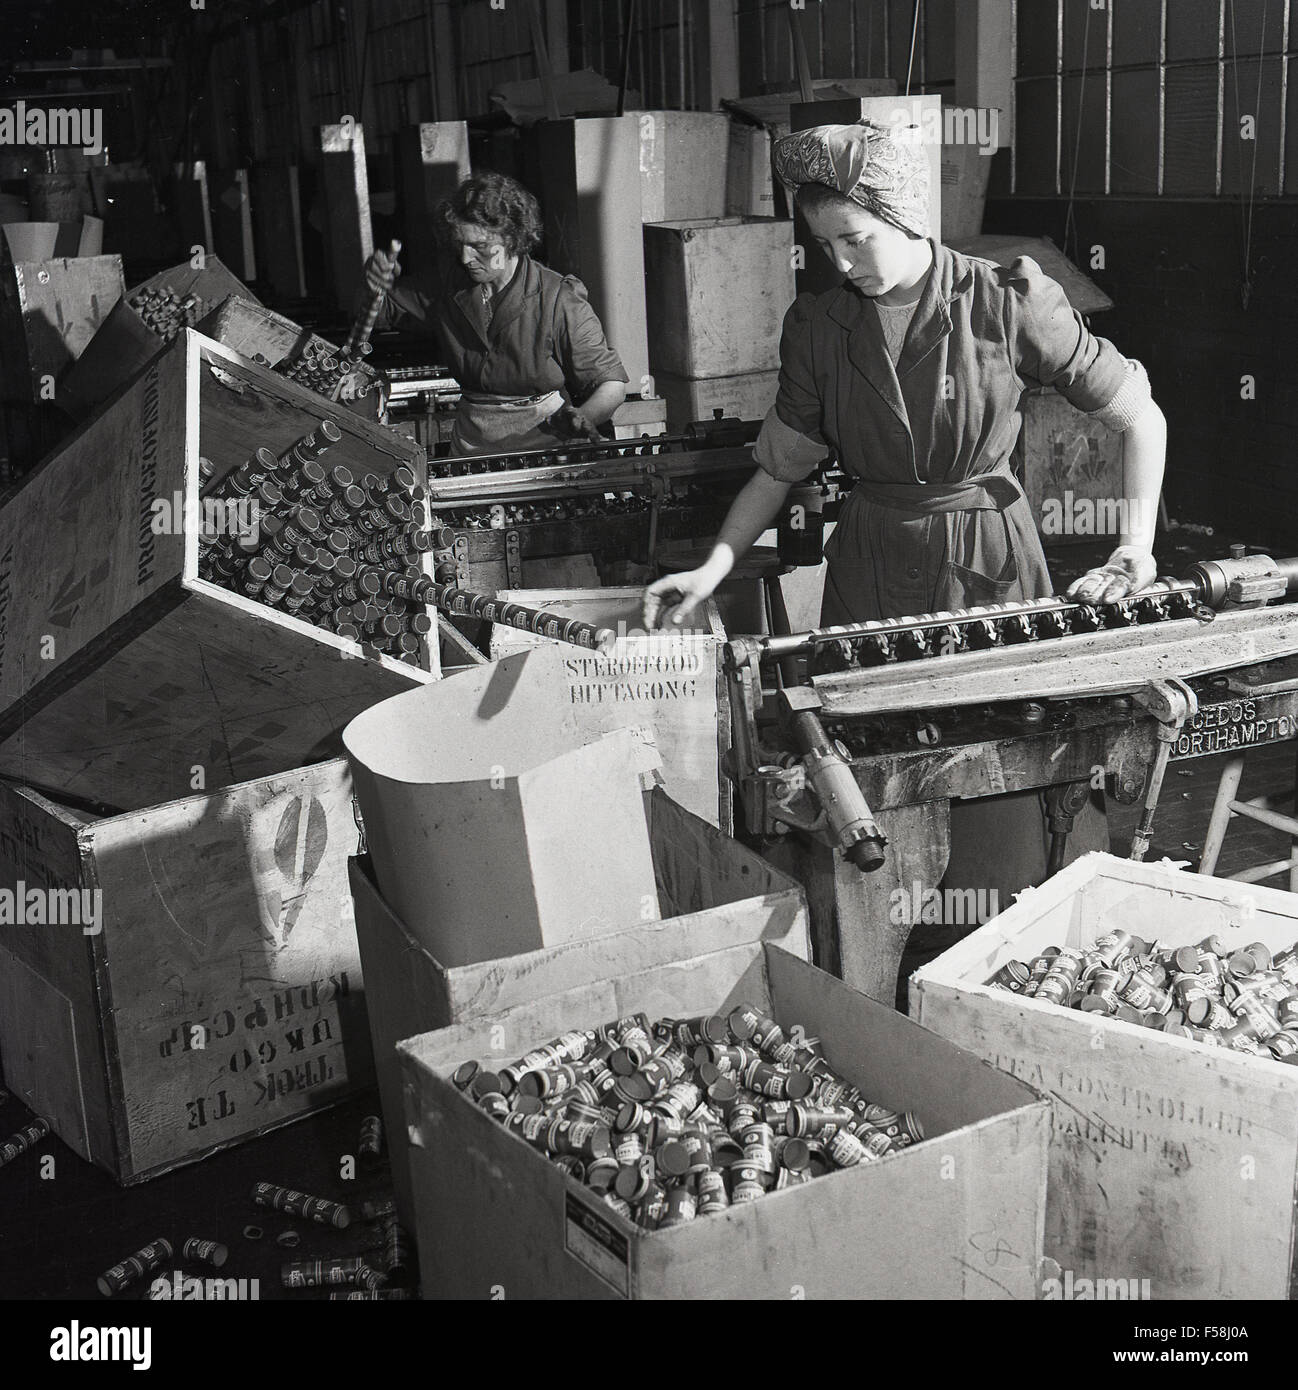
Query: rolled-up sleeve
(579,343)
(1051,345)
(408,303)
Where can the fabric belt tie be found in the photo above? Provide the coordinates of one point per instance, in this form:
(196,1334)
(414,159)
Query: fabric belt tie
(991,492)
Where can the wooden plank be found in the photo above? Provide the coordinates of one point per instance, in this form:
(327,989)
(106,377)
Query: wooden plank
(828,1239)
(232,220)
(120,671)
(671,681)
(1077,667)
(344,186)
(51,1044)
(49,312)
(1147,1128)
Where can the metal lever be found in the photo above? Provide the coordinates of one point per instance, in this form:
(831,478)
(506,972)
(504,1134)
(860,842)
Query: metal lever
(850,821)
(1171,702)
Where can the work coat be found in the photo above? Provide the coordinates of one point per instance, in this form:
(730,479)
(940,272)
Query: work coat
(937,520)
(541,336)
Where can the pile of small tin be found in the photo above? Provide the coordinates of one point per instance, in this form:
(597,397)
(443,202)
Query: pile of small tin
(685,1118)
(1245,999)
(165,312)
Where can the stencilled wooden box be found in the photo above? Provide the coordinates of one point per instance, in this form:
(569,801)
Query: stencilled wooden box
(122,674)
(1171,1161)
(215,994)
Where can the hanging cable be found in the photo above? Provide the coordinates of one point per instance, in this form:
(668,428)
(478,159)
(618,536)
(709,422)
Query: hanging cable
(914,34)
(1070,230)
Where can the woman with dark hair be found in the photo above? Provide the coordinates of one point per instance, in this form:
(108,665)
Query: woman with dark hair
(911,369)
(522,340)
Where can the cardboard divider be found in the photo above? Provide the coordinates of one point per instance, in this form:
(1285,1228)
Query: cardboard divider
(476,777)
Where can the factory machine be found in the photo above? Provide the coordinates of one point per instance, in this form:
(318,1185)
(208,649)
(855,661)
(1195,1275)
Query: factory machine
(615,501)
(858,737)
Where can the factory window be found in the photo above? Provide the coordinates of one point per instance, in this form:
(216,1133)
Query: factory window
(1150,97)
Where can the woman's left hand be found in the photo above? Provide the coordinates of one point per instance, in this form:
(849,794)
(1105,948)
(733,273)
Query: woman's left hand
(569,423)
(1128,570)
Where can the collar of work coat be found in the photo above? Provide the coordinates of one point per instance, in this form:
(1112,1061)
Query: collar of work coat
(929,397)
(507,304)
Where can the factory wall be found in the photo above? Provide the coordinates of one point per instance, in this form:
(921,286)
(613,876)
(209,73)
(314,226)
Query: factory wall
(1222,366)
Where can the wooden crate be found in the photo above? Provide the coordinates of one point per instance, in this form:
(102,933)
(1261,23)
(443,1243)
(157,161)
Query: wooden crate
(713,895)
(1170,1161)
(221,995)
(720,290)
(251,329)
(671,681)
(123,346)
(49,312)
(121,671)
(683,158)
(747,396)
(957,1216)
(749,191)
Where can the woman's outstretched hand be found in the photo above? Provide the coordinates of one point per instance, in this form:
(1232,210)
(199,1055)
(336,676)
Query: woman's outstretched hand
(1128,570)
(670,600)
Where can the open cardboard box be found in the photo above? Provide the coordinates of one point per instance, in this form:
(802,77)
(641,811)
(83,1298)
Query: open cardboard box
(959,1215)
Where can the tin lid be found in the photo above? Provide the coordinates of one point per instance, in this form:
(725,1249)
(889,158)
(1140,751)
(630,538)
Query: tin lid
(629,1116)
(1198,1011)
(622,1063)
(743,1021)
(630,1183)
(464,1074)
(1241,963)
(600,1143)
(1187,960)
(723,1091)
(1094,1004)
(796,1155)
(708,1074)
(672,1159)
(1019,971)
(485,1082)
(634,1087)
(798,1086)
(526,1104)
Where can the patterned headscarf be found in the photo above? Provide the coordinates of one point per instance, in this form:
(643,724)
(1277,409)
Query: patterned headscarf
(864,162)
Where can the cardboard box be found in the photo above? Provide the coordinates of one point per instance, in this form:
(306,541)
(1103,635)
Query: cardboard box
(683,158)
(221,994)
(122,672)
(747,396)
(672,682)
(957,1216)
(487,772)
(713,895)
(49,312)
(749,191)
(1171,1161)
(719,290)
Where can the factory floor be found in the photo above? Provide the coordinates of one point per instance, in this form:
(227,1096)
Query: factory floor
(58,1234)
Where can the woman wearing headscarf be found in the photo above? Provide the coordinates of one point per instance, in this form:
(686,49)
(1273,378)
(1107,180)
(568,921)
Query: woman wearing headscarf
(522,340)
(911,370)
